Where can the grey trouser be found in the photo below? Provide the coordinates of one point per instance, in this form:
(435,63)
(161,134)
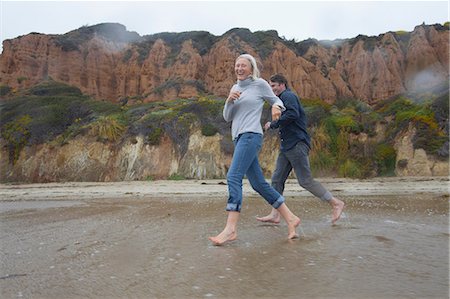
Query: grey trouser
(298,159)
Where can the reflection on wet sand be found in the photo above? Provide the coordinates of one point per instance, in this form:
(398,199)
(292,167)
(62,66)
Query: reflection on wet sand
(383,247)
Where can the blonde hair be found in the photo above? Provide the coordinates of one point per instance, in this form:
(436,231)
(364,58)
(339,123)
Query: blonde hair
(255,70)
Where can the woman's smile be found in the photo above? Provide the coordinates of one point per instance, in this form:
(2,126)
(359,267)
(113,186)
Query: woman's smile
(242,68)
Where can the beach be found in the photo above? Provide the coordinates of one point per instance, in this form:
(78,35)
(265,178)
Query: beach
(213,188)
(150,240)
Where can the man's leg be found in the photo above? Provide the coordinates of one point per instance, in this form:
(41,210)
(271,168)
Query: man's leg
(299,159)
(338,207)
(275,199)
(279,177)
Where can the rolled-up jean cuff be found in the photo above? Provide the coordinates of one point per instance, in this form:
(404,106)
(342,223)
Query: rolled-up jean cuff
(327,196)
(233,207)
(278,202)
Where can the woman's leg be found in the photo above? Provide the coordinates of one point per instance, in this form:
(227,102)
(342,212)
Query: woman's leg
(257,180)
(244,153)
(229,232)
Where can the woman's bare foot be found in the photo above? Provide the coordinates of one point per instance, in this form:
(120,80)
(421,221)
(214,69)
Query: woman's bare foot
(338,207)
(223,237)
(271,218)
(292,227)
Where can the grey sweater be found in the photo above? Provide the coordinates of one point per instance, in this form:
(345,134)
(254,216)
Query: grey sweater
(245,112)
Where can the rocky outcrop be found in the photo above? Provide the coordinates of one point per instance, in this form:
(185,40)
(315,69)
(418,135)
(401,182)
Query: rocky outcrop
(415,162)
(85,159)
(110,63)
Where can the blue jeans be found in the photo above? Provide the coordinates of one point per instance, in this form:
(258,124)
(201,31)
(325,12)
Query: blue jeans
(245,162)
(298,158)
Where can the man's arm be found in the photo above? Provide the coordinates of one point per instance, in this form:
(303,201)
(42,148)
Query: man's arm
(290,114)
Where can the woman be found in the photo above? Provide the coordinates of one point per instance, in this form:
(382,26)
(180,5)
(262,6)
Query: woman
(243,108)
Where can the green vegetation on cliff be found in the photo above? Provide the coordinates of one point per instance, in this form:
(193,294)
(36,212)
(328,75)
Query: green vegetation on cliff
(346,137)
(53,112)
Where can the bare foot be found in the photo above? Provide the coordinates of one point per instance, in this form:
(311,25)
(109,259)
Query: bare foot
(223,237)
(338,207)
(270,218)
(292,226)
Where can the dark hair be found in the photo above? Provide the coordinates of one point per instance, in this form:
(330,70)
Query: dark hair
(280,79)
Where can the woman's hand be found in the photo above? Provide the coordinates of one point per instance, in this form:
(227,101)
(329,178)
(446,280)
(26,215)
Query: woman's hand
(276,112)
(233,96)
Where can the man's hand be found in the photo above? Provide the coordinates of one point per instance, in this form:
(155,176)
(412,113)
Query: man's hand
(267,126)
(276,112)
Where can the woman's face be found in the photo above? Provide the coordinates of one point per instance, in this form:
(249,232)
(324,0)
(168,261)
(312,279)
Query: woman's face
(242,68)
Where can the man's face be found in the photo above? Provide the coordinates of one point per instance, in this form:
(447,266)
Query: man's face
(277,88)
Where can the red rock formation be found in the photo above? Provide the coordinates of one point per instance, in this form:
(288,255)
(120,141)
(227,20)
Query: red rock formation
(366,68)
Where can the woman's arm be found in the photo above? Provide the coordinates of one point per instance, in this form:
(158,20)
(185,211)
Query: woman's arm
(229,103)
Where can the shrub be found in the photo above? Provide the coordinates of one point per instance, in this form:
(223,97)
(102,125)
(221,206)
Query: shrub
(209,130)
(108,128)
(16,133)
(51,115)
(53,88)
(71,132)
(428,137)
(320,140)
(154,137)
(322,163)
(344,122)
(201,40)
(4,90)
(176,177)
(343,146)
(429,134)
(316,111)
(385,156)
(350,168)
(321,159)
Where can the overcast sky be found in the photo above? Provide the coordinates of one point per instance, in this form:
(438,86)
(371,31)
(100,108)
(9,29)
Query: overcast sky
(297,20)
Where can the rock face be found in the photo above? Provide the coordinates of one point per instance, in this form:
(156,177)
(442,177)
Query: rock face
(85,159)
(415,162)
(110,63)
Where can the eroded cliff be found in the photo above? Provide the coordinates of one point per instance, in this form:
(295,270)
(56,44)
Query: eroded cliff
(108,62)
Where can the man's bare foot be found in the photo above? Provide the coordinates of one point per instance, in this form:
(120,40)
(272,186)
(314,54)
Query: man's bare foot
(292,227)
(223,237)
(338,207)
(271,218)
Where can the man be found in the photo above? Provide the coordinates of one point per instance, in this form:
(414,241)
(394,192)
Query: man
(294,151)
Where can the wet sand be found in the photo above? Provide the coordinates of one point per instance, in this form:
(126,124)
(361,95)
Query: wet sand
(150,240)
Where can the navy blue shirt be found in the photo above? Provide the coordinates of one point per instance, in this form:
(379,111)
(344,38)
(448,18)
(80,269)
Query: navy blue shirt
(292,122)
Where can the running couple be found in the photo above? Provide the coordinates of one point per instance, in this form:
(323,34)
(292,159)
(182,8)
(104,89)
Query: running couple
(243,108)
